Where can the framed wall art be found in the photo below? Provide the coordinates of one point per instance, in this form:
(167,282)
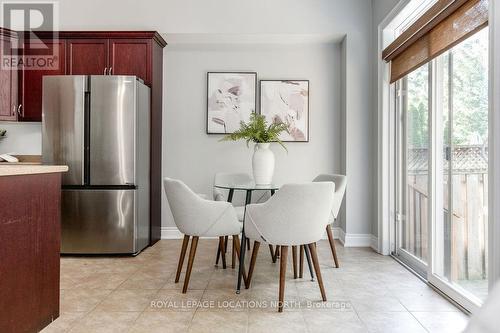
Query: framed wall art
(231,98)
(287,101)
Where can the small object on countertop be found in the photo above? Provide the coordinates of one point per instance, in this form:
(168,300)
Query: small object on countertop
(3,133)
(8,158)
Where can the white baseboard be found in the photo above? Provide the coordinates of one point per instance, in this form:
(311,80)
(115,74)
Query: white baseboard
(348,240)
(374,243)
(171,233)
(174,233)
(336,233)
(357,240)
(341,236)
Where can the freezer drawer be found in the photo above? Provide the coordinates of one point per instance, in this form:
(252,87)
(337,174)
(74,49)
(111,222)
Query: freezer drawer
(102,222)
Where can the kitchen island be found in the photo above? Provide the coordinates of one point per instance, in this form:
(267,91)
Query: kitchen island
(30,201)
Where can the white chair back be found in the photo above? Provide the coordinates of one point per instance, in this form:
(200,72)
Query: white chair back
(228,178)
(195,216)
(340,182)
(297,214)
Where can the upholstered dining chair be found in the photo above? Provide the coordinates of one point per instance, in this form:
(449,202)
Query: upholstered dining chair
(296,215)
(340,182)
(197,217)
(230,178)
(233,178)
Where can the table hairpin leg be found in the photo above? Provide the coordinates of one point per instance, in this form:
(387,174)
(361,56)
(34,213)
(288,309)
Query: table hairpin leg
(274,253)
(243,244)
(308,257)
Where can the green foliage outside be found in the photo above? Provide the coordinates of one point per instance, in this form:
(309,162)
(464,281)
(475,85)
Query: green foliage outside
(469,96)
(417,116)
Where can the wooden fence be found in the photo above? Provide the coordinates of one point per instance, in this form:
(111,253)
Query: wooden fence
(465,234)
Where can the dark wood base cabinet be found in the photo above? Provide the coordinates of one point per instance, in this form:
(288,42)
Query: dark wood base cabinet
(29,251)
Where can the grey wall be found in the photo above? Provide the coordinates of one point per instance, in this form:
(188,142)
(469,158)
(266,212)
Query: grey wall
(193,156)
(352,19)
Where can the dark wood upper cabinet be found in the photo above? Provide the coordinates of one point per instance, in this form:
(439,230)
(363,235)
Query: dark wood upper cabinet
(87,56)
(8,77)
(138,53)
(40,59)
(101,56)
(75,53)
(131,57)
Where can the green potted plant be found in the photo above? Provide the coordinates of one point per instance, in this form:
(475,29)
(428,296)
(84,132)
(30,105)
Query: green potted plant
(258,131)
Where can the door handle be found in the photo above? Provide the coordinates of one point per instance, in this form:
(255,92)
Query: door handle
(19,108)
(106,71)
(110,70)
(448,153)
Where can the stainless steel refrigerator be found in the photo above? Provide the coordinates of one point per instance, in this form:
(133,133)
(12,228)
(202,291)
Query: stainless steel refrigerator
(99,127)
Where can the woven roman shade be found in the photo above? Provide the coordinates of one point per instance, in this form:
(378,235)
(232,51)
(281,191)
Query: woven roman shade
(444,25)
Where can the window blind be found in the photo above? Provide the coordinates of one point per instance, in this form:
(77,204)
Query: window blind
(444,25)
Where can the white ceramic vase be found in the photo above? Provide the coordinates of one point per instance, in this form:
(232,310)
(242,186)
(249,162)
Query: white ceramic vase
(263,164)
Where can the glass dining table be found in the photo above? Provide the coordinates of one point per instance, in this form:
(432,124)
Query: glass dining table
(249,188)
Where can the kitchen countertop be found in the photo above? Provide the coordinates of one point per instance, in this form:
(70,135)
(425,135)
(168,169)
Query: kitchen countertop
(16,169)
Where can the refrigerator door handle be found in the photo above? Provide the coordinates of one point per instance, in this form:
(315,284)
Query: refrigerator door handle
(86,139)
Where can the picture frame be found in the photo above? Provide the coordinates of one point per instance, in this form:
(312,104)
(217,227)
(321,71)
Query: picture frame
(231,98)
(287,101)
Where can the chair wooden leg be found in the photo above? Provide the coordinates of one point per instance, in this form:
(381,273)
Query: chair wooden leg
(181,257)
(222,250)
(237,249)
(314,255)
(277,252)
(218,255)
(248,246)
(301,261)
(294,261)
(225,243)
(283,259)
(233,254)
(192,253)
(332,245)
(255,251)
(273,258)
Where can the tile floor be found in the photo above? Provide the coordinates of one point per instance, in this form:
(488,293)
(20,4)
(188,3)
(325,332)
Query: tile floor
(369,293)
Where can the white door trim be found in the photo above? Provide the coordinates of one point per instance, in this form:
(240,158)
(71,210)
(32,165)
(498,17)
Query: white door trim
(385,110)
(494,144)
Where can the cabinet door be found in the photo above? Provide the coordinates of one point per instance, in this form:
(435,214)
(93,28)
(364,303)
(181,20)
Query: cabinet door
(30,232)
(131,57)
(8,81)
(40,59)
(87,56)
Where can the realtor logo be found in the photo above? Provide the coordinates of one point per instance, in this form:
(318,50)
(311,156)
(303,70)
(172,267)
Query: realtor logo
(27,19)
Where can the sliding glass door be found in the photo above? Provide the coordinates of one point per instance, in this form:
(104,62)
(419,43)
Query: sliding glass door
(442,163)
(413,222)
(461,216)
